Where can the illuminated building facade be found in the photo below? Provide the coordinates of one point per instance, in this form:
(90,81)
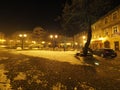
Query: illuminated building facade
(106,31)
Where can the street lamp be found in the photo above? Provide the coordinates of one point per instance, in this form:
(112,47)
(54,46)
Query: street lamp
(53,37)
(22,36)
(84,39)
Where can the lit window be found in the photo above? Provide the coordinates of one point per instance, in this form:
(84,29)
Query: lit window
(115,29)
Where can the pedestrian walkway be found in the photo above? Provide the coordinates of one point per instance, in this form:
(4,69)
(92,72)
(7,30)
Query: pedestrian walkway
(62,56)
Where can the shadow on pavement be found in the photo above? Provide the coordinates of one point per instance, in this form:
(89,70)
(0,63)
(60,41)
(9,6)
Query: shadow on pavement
(91,60)
(32,73)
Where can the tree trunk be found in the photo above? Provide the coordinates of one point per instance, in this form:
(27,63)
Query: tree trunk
(89,36)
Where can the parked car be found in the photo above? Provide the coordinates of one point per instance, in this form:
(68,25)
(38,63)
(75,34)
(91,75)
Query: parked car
(105,52)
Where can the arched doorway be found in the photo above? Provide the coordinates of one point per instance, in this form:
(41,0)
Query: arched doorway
(107,44)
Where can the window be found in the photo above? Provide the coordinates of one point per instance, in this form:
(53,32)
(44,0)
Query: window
(115,29)
(106,32)
(99,36)
(114,15)
(106,20)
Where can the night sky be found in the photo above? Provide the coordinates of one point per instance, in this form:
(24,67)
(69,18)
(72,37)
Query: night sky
(25,16)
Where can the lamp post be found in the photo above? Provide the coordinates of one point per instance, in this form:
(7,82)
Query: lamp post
(22,36)
(53,37)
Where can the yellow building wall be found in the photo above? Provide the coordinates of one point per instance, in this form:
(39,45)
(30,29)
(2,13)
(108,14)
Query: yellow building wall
(103,31)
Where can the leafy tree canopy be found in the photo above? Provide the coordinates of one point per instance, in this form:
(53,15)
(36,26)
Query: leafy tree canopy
(74,19)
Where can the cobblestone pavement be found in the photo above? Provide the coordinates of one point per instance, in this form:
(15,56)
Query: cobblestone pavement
(22,72)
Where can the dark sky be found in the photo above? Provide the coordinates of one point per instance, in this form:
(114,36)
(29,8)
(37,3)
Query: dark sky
(22,15)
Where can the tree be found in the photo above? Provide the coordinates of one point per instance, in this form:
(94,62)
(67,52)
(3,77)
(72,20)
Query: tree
(81,14)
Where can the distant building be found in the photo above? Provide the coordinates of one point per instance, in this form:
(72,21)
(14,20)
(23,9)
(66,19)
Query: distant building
(80,39)
(2,38)
(16,40)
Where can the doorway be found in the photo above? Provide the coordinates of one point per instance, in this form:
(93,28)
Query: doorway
(116,45)
(107,44)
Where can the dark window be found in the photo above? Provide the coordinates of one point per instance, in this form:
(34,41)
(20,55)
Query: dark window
(114,15)
(115,29)
(106,20)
